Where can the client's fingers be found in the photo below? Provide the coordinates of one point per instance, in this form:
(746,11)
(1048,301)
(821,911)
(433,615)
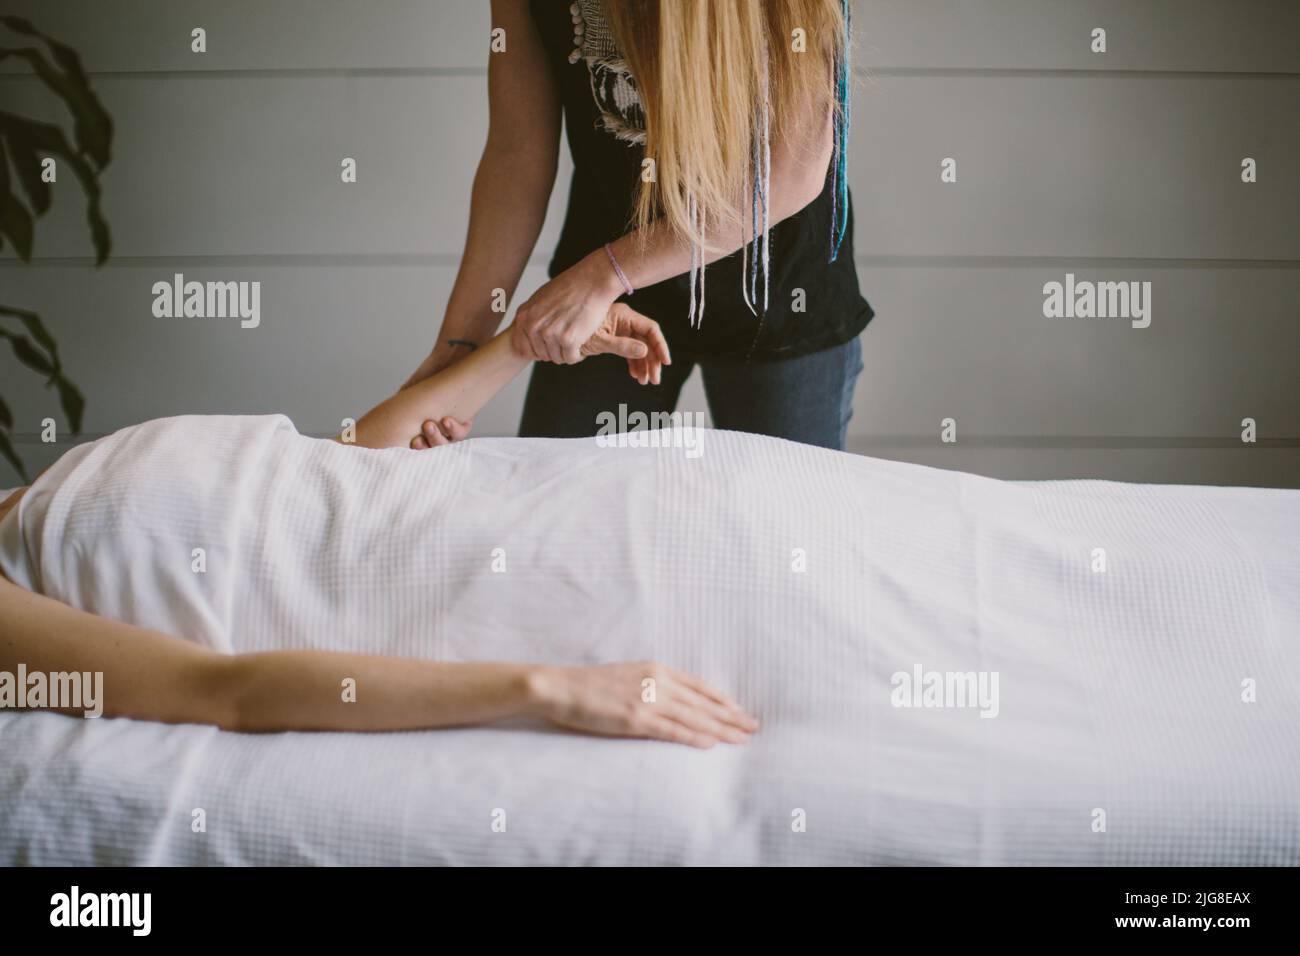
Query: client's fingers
(442,432)
(700,720)
(738,724)
(621,345)
(456,431)
(659,727)
(701,687)
(647,372)
(647,329)
(433,434)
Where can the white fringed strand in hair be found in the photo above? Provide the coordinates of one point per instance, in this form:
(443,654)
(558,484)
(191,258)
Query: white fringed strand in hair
(757,257)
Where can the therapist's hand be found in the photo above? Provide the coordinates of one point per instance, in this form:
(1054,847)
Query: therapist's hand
(563,314)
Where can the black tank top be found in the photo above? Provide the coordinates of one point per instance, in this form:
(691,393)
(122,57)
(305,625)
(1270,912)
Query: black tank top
(605,129)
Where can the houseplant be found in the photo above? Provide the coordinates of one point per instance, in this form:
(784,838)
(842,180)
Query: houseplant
(31,153)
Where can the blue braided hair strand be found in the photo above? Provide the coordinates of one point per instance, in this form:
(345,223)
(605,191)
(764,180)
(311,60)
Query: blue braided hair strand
(843,115)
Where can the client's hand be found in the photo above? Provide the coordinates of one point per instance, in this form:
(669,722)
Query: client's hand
(442,432)
(639,700)
(634,336)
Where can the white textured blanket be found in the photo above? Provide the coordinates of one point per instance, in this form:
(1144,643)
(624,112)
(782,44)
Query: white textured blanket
(1117,665)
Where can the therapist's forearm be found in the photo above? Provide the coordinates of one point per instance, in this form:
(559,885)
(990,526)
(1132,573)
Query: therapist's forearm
(458,391)
(507,209)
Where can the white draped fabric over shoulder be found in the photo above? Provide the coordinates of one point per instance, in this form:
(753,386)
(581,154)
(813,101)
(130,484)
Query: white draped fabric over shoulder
(1146,642)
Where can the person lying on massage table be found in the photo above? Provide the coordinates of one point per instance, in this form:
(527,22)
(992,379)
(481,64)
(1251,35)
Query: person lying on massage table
(149,675)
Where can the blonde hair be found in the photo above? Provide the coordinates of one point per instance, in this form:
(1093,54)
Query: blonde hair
(716,78)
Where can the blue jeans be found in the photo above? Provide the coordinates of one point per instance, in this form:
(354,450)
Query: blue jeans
(807,399)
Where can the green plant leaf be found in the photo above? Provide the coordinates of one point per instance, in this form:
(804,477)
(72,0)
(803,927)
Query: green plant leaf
(37,330)
(15,221)
(73,402)
(38,190)
(16,226)
(48,364)
(92,125)
(22,142)
(29,355)
(27,139)
(11,456)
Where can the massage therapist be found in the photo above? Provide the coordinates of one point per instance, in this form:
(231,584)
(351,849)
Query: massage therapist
(709,134)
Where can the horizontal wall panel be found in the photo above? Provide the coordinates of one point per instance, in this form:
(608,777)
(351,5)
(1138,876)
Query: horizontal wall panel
(1187,35)
(1059,166)
(253,167)
(1247,467)
(973,344)
(154,35)
(1045,167)
(970,344)
(1246,36)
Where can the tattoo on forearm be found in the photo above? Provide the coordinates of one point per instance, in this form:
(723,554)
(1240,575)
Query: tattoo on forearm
(465,342)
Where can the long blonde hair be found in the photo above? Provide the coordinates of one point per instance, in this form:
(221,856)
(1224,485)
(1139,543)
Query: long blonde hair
(716,78)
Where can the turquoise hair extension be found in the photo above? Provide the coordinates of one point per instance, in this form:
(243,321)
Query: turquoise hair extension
(843,101)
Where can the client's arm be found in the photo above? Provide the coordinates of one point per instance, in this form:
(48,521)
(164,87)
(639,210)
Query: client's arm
(459,391)
(148,675)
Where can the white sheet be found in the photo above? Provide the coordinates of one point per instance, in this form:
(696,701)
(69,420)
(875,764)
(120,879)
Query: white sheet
(1119,691)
